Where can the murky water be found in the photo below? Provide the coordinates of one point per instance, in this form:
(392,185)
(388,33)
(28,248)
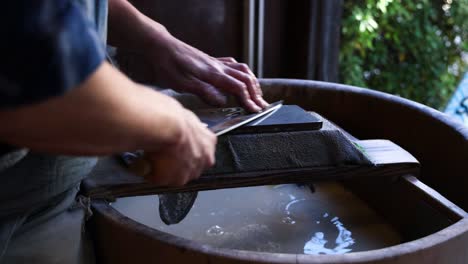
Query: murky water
(282,218)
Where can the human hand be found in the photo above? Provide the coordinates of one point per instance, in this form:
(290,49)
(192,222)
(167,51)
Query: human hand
(185,160)
(187,69)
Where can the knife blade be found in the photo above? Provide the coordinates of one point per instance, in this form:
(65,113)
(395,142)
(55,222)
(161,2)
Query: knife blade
(242,119)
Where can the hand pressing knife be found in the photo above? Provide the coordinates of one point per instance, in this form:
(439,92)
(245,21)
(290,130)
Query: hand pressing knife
(173,207)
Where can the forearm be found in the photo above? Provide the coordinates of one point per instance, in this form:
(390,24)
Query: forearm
(108,113)
(130,29)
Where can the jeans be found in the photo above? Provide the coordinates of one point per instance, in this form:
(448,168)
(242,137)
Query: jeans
(41,221)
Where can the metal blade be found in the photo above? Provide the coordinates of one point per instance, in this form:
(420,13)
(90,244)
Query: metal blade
(232,123)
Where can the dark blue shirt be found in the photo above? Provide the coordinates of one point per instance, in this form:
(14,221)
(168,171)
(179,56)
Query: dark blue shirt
(47,47)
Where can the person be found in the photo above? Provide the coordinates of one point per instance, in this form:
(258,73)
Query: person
(61,103)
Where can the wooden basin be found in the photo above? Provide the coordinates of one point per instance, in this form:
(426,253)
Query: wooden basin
(432,234)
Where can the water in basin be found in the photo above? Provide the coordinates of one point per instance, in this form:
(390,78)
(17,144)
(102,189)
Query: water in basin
(282,219)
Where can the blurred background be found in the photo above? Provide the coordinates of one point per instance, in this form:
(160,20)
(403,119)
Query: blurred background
(414,49)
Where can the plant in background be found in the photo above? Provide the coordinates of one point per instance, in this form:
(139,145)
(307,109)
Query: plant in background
(413,49)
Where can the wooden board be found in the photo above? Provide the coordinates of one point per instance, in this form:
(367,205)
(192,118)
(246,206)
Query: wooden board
(111,179)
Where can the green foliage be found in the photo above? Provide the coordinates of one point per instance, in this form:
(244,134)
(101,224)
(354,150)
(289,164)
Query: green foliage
(409,48)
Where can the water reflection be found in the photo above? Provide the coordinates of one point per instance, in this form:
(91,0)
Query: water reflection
(317,244)
(215,230)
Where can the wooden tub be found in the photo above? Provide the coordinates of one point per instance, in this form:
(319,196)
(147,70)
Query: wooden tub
(436,232)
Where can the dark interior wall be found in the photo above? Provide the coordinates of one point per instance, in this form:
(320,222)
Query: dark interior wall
(214,26)
(301,37)
(286,38)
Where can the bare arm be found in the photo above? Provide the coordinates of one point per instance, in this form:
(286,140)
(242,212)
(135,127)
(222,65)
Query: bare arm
(109,113)
(180,66)
(130,29)
(106,114)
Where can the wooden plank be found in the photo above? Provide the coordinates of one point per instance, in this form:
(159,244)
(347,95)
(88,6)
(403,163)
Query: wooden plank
(434,199)
(110,179)
(383,152)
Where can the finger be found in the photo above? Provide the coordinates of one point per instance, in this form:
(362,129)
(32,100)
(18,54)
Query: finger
(206,161)
(210,150)
(257,91)
(227,59)
(169,170)
(195,173)
(195,167)
(205,149)
(241,67)
(184,178)
(233,86)
(252,86)
(208,146)
(179,172)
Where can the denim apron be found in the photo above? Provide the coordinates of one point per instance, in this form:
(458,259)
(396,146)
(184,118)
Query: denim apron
(41,219)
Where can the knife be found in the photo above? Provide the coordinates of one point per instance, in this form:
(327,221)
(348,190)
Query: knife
(173,207)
